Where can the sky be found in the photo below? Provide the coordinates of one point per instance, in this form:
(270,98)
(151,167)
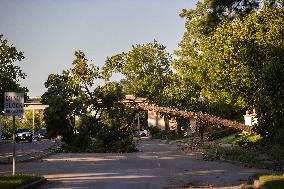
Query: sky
(50,31)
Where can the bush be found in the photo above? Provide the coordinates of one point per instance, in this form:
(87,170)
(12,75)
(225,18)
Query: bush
(220,132)
(274,150)
(114,139)
(272,181)
(155,132)
(170,134)
(102,139)
(235,153)
(246,140)
(252,149)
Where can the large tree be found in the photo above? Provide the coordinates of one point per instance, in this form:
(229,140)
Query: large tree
(146,68)
(180,93)
(148,73)
(58,116)
(202,20)
(238,65)
(69,94)
(209,13)
(101,122)
(10,73)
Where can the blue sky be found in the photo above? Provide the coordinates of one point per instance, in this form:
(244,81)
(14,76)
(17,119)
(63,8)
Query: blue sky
(49,31)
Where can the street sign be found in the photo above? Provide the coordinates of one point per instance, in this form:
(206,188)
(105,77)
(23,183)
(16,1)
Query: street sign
(13,104)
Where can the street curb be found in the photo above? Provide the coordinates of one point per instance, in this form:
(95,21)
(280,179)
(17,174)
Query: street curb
(33,184)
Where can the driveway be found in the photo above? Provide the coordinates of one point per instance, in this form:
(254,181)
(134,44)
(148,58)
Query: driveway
(158,165)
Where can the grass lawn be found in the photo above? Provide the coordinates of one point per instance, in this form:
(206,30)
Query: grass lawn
(272,181)
(231,139)
(8,181)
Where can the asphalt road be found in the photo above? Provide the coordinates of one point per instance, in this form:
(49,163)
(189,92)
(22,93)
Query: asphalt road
(157,166)
(23,148)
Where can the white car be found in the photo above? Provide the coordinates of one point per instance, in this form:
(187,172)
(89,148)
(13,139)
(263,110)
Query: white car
(24,134)
(143,133)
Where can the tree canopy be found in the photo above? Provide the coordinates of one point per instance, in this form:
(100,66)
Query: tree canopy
(230,60)
(237,62)
(10,73)
(84,114)
(146,67)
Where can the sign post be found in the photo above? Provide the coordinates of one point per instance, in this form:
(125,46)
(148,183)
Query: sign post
(14,106)
(14,144)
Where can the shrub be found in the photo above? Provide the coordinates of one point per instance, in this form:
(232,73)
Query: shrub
(170,134)
(102,139)
(246,140)
(272,181)
(155,132)
(220,132)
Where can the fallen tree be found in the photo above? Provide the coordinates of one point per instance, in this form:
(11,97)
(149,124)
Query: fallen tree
(201,117)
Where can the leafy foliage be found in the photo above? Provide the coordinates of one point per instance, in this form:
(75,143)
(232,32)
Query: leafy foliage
(146,67)
(237,63)
(28,121)
(180,93)
(101,138)
(59,112)
(215,133)
(249,149)
(208,14)
(148,73)
(272,181)
(10,74)
(102,126)
(246,140)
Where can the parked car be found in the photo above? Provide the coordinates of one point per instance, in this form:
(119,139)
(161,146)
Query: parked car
(24,134)
(41,134)
(6,136)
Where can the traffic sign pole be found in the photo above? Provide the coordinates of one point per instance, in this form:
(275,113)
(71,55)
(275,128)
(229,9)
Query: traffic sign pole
(33,123)
(14,145)
(14,106)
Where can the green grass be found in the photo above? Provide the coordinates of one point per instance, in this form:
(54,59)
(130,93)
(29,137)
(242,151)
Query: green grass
(183,140)
(8,181)
(227,140)
(272,181)
(240,139)
(234,153)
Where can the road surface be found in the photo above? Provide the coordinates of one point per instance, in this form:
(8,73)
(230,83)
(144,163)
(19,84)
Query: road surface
(23,149)
(157,166)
